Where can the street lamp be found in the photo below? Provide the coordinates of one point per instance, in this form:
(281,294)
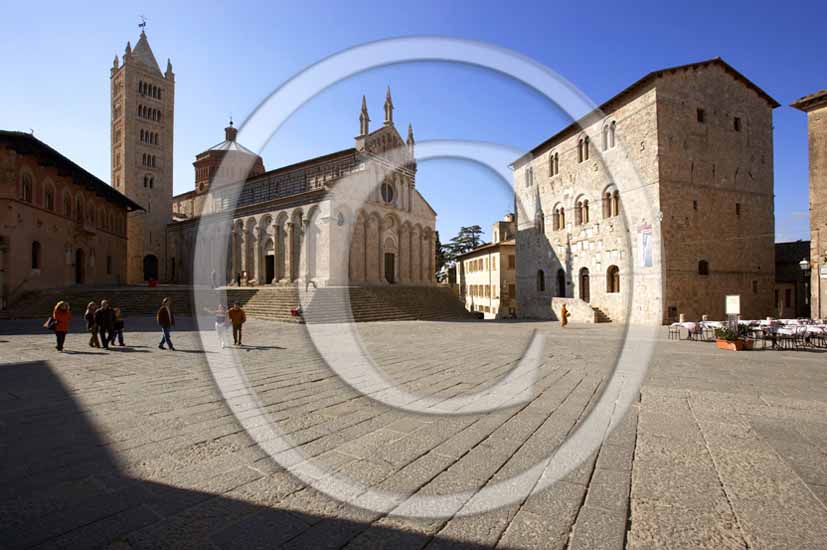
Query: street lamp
(804,264)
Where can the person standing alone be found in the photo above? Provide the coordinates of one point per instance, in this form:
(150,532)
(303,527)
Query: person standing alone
(237,318)
(62,316)
(105,320)
(166,320)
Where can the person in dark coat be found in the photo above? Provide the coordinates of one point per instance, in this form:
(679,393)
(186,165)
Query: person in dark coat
(118,328)
(166,320)
(105,320)
(91,326)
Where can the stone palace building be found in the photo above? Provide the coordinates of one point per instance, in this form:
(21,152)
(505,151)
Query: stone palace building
(59,225)
(815,105)
(265,227)
(668,188)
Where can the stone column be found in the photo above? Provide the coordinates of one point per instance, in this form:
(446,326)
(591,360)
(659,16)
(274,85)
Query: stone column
(257,257)
(276,252)
(245,237)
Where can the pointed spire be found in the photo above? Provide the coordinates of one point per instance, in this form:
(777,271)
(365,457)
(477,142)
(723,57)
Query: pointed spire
(410,141)
(388,108)
(115,63)
(364,119)
(169,73)
(128,51)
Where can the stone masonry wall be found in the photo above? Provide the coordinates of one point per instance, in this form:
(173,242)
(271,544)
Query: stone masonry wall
(716,181)
(630,167)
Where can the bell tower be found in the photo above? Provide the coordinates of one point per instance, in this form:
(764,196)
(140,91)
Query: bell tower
(143,105)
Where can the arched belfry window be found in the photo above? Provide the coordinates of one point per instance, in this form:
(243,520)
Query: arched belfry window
(612,129)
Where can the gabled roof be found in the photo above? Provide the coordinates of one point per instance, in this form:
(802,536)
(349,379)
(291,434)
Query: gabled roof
(143,53)
(27,144)
(810,102)
(486,247)
(642,83)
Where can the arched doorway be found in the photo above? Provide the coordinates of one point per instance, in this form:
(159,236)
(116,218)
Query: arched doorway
(390,267)
(269,262)
(150,267)
(80,260)
(561,283)
(584,285)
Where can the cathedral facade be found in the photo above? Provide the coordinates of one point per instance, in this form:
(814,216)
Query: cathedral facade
(349,217)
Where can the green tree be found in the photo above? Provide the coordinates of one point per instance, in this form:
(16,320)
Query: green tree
(468,238)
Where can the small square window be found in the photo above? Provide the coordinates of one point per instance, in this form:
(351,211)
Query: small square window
(755,287)
(701,116)
(736,124)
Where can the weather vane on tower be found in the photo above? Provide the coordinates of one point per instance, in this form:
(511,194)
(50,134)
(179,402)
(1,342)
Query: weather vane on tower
(142,24)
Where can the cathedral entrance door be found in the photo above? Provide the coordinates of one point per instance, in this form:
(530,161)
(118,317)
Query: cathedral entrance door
(269,268)
(390,267)
(150,267)
(80,259)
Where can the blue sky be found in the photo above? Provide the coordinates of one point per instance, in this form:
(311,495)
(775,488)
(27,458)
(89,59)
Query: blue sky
(228,59)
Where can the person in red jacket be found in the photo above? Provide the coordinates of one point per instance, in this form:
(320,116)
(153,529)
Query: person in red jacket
(62,315)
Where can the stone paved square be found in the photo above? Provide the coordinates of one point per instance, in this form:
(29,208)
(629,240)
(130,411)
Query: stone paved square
(137,448)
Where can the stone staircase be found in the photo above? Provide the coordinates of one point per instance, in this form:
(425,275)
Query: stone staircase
(390,303)
(600,316)
(322,305)
(132,300)
(272,303)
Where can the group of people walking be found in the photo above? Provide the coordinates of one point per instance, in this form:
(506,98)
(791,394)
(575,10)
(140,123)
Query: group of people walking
(105,324)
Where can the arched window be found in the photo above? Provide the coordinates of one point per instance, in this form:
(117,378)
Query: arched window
(613,279)
(586,148)
(580,151)
(541,281)
(50,197)
(26,188)
(612,128)
(67,204)
(605,137)
(703,267)
(611,202)
(581,211)
(555,219)
(79,210)
(151,182)
(387,192)
(35,255)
